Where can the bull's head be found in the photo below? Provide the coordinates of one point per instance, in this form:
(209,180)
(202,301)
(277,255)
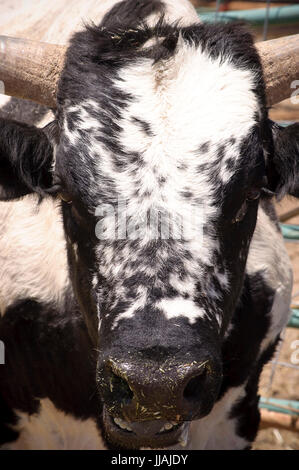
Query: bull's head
(152,124)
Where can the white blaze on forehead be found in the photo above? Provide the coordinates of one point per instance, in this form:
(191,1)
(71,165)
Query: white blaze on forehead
(191,98)
(182,111)
(178,307)
(187,101)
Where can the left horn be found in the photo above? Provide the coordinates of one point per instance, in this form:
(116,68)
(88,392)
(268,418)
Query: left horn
(280,60)
(30,69)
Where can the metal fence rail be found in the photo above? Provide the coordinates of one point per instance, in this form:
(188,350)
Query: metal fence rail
(289,407)
(275,15)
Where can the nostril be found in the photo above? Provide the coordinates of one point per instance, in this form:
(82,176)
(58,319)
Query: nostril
(194,387)
(119,389)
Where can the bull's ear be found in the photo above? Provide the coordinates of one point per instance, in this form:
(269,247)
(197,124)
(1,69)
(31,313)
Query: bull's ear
(26,159)
(283,160)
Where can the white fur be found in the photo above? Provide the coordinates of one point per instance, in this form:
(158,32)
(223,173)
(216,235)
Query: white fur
(52,429)
(217,431)
(268,255)
(178,307)
(32,252)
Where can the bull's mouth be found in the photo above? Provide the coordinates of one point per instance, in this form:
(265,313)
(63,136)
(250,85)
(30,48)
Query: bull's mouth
(153,434)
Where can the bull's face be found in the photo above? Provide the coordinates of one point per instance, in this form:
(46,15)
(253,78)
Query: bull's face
(163,152)
(162,162)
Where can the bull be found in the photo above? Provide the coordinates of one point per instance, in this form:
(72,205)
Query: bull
(144,279)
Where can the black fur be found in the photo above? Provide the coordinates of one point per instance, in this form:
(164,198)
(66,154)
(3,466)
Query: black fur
(25,160)
(48,355)
(284,164)
(247,410)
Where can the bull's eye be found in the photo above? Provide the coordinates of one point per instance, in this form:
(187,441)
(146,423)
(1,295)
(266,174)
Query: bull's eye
(253,194)
(241,213)
(65,197)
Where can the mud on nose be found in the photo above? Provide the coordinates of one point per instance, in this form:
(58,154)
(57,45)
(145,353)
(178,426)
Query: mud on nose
(175,393)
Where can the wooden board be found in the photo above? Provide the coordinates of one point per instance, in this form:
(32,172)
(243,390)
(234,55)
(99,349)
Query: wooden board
(50,21)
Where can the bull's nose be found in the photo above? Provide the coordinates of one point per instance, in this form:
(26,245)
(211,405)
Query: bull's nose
(174,392)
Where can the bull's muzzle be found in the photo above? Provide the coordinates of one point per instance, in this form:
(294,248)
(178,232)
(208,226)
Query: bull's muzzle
(138,391)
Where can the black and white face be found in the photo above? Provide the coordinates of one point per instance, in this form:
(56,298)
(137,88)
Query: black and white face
(161,166)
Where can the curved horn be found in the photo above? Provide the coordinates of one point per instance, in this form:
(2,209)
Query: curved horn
(280,60)
(30,69)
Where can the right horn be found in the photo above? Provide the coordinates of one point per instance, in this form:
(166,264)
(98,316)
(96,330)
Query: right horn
(280,60)
(30,69)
